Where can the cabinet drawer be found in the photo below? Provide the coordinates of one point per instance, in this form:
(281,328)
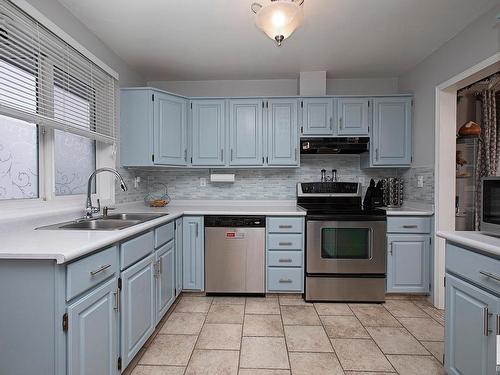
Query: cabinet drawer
(284,258)
(285,225)
(135,249)
(406,224)
(475,267)
(164,234)
(90,271)
(284,242)
(284,279)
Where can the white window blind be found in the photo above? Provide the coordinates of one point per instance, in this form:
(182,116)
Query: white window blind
(73,94)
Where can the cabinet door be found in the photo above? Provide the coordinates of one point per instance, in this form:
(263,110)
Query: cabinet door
(282,140)
(170,127)
(93,332)
(138,313)
(408,263)
(317,116)
(208,126)
(470,346)
(178,256)
(353,116)
(165,279)
(245,132)
(391,137)
(193,253)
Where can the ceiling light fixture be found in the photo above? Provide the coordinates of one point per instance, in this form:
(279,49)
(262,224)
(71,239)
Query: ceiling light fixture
(279,18)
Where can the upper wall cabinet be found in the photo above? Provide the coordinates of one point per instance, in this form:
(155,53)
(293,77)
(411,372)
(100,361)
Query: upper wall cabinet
(282,139)
(245,132)
(391,133)
(208,132)
(170,129)
(153,128)
(317,116)
(353,116)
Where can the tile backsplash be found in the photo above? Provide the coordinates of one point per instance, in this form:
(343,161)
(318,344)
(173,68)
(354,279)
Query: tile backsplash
(258,184)
(411,192)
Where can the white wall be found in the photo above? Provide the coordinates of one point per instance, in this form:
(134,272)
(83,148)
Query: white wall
(478,41)
(59,15)
(276,87)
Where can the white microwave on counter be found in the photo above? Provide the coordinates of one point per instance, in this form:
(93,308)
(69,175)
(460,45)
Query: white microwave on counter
(490,205)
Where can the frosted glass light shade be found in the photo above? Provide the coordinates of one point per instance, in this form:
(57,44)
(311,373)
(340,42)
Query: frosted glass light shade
(279,19)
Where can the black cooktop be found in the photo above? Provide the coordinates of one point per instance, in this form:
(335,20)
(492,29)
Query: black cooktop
(328,212)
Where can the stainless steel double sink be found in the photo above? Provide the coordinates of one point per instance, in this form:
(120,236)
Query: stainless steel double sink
(105,223)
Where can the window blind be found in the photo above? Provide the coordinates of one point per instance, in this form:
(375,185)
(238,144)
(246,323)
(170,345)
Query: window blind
(71,93)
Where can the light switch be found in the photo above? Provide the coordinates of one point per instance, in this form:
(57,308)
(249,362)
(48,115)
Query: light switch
(203,182)
(420,181)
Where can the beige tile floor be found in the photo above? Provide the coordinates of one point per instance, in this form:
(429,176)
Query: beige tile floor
(284,335)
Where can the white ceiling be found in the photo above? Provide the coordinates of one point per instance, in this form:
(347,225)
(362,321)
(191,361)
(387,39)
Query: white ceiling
(217,39)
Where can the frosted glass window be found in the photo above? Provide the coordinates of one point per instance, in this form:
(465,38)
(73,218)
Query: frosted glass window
(18,159)
(74,154)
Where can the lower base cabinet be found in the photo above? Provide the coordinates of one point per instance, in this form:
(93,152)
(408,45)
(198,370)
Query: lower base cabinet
(193,253)
(93,337)
(165,279)
(470,340)
(178,256)
(138,307)
(408,263)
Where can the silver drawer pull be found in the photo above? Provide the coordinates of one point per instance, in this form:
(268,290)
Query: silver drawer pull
(285,260)
(410,226)
(490,275)
(288,281)
(116,307)
(486,316)
(285,226)
(285,244)
(100,269)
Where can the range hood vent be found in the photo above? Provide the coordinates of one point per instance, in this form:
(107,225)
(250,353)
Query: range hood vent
(325,146)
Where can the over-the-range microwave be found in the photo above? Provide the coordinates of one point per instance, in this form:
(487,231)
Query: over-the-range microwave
(490,205)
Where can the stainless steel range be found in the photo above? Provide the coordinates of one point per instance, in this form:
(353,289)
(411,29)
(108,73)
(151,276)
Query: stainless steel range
(345,244)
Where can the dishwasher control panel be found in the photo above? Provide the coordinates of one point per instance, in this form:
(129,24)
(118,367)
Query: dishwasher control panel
(235,221)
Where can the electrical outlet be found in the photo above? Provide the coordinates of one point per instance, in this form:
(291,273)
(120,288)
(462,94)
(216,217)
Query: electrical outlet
(203,182)
(361,180)
(137,179)
(420,181)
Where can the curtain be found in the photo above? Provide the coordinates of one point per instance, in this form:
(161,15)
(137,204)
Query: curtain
(489,146)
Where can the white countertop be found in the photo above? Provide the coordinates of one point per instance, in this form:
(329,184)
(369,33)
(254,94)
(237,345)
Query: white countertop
(476,241)
(22,241)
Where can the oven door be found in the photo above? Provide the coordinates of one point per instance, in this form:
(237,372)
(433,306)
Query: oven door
(346,247)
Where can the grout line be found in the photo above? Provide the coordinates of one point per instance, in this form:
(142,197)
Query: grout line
(284,337)
(241,337)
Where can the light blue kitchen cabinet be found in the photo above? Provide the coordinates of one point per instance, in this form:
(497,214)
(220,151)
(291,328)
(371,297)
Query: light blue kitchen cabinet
(245,132)
(93,337)
(353,116)
(138,307)
(391,132)
(165,278)
(317,116)
(208,127)
(282,138)
(136,127)
(170,129)
(193,253)
(178,256)
(470,347)
(408,263)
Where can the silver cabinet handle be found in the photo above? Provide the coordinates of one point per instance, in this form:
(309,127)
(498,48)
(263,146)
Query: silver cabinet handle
(498,324)
(155,269)
(221,154)
(116,307)
(490,275)
(285,260)
(296,153)
(331,123)
(100,269)
(159,267)
(285,226)
(196,230)
(185,154)
(231,154)
(390,248)
(376,153)
(410,226)
(287,281)
(341,123)
(486,315)
(285,244)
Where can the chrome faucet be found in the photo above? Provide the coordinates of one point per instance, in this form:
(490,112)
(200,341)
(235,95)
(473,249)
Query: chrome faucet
(90,210)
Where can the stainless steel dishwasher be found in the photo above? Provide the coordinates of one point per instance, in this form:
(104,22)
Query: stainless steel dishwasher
(235,254)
